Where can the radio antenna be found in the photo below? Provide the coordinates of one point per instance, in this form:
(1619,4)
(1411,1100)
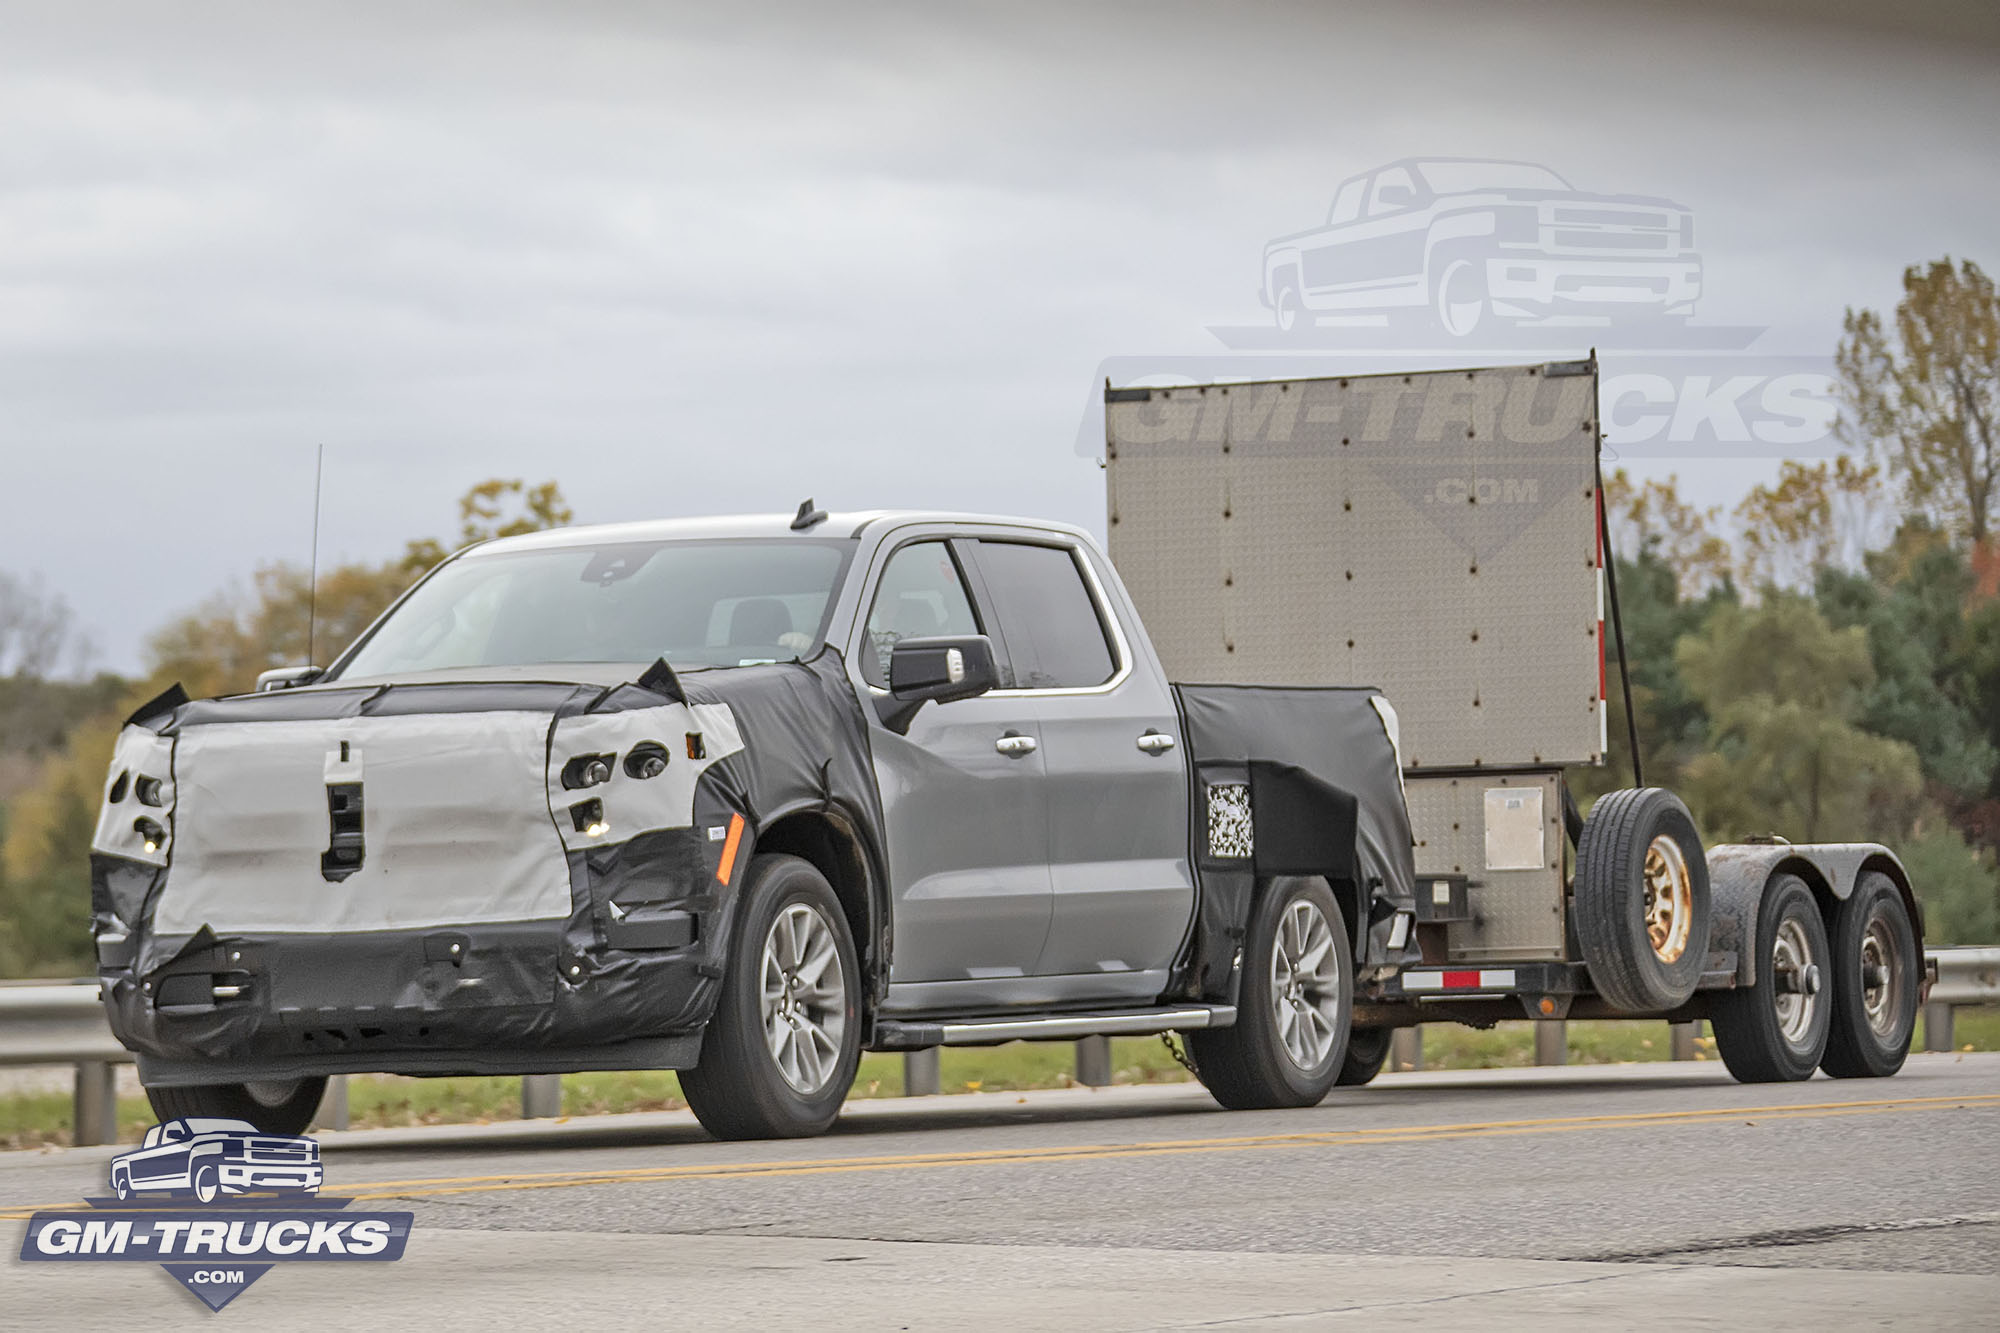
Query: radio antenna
(312,587)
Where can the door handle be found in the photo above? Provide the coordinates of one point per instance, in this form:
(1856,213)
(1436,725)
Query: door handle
(1156,742)
(1014,745)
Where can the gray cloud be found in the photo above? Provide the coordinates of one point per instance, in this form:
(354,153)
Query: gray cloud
(691,259)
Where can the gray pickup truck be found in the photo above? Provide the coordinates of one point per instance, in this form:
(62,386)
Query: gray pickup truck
(743,798)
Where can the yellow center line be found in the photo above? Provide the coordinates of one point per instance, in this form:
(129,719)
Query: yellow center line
(445,1185)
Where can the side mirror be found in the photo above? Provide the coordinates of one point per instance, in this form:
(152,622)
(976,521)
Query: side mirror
(286,678)
(922,670)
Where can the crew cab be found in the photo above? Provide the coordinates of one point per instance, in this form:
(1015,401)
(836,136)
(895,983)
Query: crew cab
(1474,242)
(743,797)
(211,1156)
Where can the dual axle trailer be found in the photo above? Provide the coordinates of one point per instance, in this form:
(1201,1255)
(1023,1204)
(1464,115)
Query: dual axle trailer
(1442,535)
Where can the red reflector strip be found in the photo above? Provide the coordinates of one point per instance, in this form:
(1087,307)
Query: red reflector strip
(727,865)
(1492,978)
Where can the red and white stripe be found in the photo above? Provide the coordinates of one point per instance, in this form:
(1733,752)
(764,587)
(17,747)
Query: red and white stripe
(1491,978)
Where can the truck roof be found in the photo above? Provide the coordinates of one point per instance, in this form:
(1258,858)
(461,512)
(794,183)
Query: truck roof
(844,524)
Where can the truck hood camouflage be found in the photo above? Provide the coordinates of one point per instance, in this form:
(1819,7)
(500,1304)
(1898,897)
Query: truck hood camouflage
(451,863)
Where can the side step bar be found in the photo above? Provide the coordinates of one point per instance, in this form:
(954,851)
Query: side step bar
(896,1035)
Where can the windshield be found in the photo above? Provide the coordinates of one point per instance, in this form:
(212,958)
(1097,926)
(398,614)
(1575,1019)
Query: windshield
(696,603)
(1464,177)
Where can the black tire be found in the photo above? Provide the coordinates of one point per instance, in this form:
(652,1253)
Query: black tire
(1249,1066)
(737,1089)
(1367,1052)
(1610,900)
(275,1108)
(1775,1031)
(1872,928)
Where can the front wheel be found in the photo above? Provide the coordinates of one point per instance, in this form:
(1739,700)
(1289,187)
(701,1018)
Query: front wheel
(285,1107)
(780,1053)
(1295,1005)
(1875,970)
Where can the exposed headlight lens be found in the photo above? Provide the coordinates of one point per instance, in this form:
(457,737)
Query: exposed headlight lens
(149,792)
(588,819)
(647,760)
(587,770)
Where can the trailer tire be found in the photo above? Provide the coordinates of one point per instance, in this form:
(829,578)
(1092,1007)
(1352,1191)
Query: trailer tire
(740,1087)
(1776,1030)
(1641,900)
(275,1108)
(1295,1006)
(1367,1052)
(1873,1012)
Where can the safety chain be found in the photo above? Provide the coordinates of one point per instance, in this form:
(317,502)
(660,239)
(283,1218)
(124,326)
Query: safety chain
(1180,1056)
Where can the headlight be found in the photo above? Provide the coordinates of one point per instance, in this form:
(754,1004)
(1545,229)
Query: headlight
(648,759)
(587,770)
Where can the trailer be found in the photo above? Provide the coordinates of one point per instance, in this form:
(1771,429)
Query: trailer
(1441,536)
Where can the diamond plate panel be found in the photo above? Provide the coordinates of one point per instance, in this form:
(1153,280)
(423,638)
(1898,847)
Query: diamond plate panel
(1517,914)
(1431,534)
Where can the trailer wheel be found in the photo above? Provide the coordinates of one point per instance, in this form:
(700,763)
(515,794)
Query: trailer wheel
(1367,1052)
(1294,1009)
(276,1108)
(1875,967)
(1775,1031)
(779,1055)
(1641,900)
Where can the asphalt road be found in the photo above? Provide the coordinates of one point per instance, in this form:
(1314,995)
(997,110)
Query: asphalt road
(1585,1197)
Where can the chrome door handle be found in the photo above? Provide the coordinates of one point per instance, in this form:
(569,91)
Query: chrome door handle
(1155,742)
(1014,745)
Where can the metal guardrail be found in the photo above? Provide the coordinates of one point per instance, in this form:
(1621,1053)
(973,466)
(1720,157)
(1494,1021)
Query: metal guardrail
(57,1023)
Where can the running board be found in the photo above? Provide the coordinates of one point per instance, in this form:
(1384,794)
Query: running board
(895,1035)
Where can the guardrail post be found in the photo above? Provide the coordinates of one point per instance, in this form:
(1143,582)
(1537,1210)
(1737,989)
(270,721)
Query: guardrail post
(1937,1027)
(541,1096)
(94,1109)
(920,1073)
(1552,1042)
(1093,1061)
(332,1113)
(1681,1040)
(1406,1049)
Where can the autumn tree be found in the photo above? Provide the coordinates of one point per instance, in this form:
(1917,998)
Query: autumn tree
(1925,395)
(1652,516)
(1813,517)
(484,513)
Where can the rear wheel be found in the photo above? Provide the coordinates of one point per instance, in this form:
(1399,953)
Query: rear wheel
(278,1107)
(1641,900)
(1875,968)
(780,1053)
(206,1184)
(1367,1052)
(1775,1031)
(1294,1009)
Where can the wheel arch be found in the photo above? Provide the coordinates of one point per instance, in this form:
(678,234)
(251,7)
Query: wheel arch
(834,846)
(1740,872)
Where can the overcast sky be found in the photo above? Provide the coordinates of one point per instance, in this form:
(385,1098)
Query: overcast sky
(696,259)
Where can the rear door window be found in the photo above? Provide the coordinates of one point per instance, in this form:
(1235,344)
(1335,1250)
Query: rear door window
(1055,633)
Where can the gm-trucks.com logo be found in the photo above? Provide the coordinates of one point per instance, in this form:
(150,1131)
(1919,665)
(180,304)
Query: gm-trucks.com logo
(1426,263)
(256,1205)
